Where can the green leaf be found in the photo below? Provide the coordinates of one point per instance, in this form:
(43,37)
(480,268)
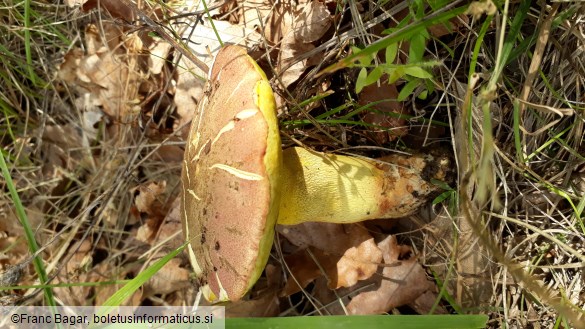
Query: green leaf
(374,75)
(418,72)
(407,90)
(394,74)
(417,47)
(391,52)
(360,83)
(423,95)
(365,60)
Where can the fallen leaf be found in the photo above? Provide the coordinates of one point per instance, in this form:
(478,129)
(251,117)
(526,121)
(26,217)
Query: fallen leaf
(424,304)
(308,26)
(106,71)
(305,269)
(159,51)
(252,13)
(347,254)
(146,200)
(170,232)
(171,277)
(280,21)
(312,23)
(81,257)
(62,150)
(263,303)
(385,111)
(401,282)
(289,66)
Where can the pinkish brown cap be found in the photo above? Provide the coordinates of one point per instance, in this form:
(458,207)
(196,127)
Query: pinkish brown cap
(230,177)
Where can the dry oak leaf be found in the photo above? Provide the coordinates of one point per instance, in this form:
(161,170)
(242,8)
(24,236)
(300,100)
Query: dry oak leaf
(280,21)
(312,23)
(309,26)
(148,201)
(401,282)
(106,72)
(169,278)
(347,254)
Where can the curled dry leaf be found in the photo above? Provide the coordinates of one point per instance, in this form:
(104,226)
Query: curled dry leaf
(148,201)
(401,282)
(169,278)
(312,23)
(347,254)
(106,72)
(309,26)
(280,21)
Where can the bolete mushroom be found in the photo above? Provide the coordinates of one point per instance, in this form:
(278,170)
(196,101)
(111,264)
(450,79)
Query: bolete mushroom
(238,183)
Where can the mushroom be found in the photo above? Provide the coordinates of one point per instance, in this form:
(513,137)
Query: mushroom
(238,183)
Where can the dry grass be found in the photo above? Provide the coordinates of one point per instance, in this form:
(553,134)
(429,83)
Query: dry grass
(508,242)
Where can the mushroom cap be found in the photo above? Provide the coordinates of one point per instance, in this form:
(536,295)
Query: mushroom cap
(230,179)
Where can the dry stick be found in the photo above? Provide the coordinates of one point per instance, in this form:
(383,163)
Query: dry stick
(541,42)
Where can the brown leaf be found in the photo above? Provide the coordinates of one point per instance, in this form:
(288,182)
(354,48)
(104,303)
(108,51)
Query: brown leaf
(106,72)
(312,23)
(170,231)
(265,303)
(304,269)
(252,13)
(62,145)
(147,199)
(280,21)
(387,111)
(347,254)
(169,278)
(402,282)
(81,256)
(289,66)
(308,26)
(116,8)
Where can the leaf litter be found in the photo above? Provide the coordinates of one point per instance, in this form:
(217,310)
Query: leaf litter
(117,76)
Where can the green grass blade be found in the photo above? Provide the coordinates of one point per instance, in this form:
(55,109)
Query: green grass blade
(28,231)
(122,295)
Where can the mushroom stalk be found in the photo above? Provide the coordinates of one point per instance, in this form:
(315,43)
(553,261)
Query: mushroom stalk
(321,187)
